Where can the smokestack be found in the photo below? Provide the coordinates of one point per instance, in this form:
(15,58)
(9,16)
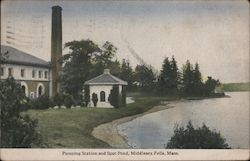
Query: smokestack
(56,48)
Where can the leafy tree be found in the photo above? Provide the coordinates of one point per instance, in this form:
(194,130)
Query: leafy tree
(210,85)
(94,99)
(78,65)
(145,77)
(200,138)
(103,59)
(127,73)
(16,130)
(115,68)
(85,61)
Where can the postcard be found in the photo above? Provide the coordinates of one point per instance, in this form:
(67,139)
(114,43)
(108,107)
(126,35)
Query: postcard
(124,80)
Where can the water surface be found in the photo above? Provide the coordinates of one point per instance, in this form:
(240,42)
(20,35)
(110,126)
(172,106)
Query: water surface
(230,116)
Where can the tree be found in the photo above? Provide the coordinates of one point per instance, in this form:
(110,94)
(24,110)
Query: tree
(188,79)
(169,77)
(77,66)
(16,130)
(114,97)
(127,73)
(103,59)
(200,138)
(94,99)
(86,95)
(85,61)
(210,85)
(145,77)
(3,58)
(197,81)
(123,96)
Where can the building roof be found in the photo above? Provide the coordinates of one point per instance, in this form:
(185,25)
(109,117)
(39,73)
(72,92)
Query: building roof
(105,79)
(16,56)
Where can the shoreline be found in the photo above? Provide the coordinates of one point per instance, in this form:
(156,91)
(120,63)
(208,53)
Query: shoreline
(108,132)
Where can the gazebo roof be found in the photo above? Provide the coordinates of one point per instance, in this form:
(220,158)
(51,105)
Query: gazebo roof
(105,79)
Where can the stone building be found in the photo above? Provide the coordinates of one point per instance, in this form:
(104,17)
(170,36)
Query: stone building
(32,73)
(102,86)
(37,77)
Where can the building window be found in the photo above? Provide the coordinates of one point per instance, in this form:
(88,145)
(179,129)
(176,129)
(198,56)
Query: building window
(46,74)
(10,72)
(2,71)
(33,73)
(40,74)
(40,89)
(102,96)
(24,87)
(32,95)
(22,72)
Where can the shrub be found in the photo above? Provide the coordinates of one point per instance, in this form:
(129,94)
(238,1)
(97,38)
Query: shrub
(200,138)
(58,100)
(94,99)
(42,102)
(68,101)
(123,96)
(86,95)
(115,99)
(16,130)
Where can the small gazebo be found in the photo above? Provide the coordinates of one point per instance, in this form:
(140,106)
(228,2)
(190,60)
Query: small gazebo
(108,90)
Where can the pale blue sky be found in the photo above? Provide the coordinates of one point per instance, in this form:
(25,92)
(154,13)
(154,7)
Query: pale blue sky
(214,33)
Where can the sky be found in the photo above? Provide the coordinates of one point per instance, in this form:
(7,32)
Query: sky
(213,33)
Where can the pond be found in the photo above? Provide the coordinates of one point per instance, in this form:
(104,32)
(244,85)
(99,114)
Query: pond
(229,116)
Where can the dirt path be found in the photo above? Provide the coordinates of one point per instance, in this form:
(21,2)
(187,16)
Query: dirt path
(108,132)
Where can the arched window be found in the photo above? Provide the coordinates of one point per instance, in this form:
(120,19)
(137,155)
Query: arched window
(102,96)
(40,89)
(24,89)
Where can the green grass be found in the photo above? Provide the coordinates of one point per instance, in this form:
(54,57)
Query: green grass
(71,128)
(231,87)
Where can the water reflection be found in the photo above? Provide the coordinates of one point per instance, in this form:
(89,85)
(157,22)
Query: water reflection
(230,116)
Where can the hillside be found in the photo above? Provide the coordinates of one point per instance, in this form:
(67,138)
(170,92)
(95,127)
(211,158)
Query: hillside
(231,87)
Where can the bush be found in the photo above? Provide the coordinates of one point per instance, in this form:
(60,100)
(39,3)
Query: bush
(42,102)
(68,101)
(94,99)
(115,99)
(16,130)
(58,100)
(86,95)
(200,138)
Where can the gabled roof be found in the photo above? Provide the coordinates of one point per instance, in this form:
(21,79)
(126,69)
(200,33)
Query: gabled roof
(105,79)
(16,56)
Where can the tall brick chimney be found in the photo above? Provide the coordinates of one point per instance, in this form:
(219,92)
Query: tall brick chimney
(56,48)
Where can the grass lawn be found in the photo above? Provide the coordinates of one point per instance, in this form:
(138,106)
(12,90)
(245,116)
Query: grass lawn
(71,128)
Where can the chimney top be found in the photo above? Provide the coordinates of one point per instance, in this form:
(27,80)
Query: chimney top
(56,7)
(106,71)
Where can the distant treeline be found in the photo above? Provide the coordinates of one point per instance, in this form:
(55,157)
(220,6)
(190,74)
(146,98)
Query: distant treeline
(230,87)
(86,59)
